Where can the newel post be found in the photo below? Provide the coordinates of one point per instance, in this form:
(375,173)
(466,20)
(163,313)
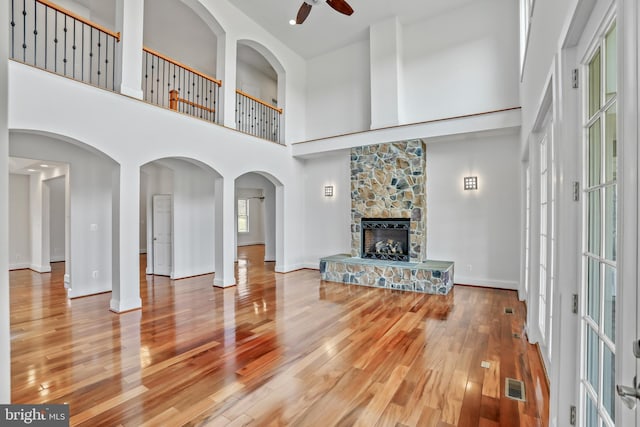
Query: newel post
(174,97)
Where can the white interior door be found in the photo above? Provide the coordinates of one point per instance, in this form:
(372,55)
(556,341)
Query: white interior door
(162,236)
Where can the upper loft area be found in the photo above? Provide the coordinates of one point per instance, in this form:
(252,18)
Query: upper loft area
(222,62)
(175,66)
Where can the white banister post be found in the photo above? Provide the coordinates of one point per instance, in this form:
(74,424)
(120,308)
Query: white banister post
(224,232)
(130,24)
(125,295)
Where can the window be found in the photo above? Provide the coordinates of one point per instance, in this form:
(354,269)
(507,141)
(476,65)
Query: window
(526,10)
(600,205)
(243,215)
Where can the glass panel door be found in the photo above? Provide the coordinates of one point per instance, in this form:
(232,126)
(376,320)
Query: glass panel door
(600,238)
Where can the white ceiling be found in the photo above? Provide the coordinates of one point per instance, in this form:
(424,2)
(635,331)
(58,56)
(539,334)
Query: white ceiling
(325,29)
(23,166)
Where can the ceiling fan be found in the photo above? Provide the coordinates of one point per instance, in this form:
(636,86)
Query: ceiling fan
(339,5)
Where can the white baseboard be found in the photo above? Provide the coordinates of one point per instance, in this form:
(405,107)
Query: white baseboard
(288,268)
(19,266)
(184,275)
(312,265)
(487,283)
(59,258)
(143,251)
(40,268)
(250,243)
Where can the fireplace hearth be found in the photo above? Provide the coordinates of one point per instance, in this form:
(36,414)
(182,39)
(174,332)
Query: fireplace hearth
(385,238)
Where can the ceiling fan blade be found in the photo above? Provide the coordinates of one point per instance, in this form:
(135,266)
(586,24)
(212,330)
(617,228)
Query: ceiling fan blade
(341,6)
(303,12)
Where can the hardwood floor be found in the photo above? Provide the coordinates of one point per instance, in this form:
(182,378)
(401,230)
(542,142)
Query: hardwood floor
(274,350)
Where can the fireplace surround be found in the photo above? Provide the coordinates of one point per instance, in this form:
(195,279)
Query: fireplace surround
(385,238)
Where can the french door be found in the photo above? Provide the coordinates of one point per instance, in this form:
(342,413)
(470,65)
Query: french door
(600,213)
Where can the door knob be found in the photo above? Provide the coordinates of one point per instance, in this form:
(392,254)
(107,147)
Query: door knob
(629,395)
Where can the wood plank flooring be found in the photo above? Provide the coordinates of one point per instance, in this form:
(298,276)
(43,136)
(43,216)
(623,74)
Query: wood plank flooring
(278,349)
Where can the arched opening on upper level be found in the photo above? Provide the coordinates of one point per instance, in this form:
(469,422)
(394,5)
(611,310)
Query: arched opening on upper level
(260,89)
(181,58)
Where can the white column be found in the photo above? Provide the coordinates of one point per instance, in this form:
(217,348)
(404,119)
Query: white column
(130,24)
(224,233)
(38,207)
(5,335)
(385,42)
(227,52)
(125,295)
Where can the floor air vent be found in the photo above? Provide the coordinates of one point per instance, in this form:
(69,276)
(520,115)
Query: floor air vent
(508,310)
(516,335)
(514,389)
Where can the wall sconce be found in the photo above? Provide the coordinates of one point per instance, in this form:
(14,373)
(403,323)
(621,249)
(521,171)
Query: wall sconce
(328,190)
(470,182)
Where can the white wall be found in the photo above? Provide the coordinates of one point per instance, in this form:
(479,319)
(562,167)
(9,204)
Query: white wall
(90,208)
(19,234)
(327,219)
(462,62)
(56,218)
(173,29)
(339,92)
(477,230)
(193,219)
(253,81)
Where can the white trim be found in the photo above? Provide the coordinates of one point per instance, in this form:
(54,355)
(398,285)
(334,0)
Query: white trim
(487,283)
(279,268)
(257,242)
(40,268)
(59,258)
(19,266)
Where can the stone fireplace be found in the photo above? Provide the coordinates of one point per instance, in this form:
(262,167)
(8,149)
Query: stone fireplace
(388,181)
(388,223)
(385,239)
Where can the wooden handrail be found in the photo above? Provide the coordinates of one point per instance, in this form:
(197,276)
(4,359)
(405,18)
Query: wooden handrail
(193,104)
(174,98)
(98,27)
(179,64)
(259,101)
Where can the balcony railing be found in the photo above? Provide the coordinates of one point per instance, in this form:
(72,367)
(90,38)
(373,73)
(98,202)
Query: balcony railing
(257,117)
(47,36)
(170,84)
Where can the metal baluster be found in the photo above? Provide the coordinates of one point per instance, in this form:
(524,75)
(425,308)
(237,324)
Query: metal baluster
(55,42)
(82,56)
(164,76)
(73,48)
(146,76)
(13,30)
(90,54)
(24,31)
(158,81)
(46,34)
(113,66)
(64,60)
(106,60)
(35,33)
(99,51)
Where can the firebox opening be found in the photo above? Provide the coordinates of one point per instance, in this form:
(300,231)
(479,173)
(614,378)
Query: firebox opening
(385,238)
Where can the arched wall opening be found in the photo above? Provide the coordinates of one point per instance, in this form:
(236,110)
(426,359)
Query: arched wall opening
(262,194)
(89,219)
(178,214)
(261,75)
